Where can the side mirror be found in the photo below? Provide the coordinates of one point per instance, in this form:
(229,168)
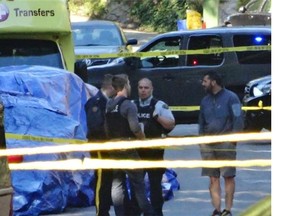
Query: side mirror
(132,42)
(133,62)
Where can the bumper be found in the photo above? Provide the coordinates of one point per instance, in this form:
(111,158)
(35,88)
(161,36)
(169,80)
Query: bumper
(257,119)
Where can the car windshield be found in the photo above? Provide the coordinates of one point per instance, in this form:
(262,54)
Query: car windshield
(29,52)
(96,35)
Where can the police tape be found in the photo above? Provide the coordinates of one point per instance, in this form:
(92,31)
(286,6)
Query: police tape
(197,108)
(90,164)
(133,144)
(261,208)
(42,139)
(246,108)
(184,108)
(177,52)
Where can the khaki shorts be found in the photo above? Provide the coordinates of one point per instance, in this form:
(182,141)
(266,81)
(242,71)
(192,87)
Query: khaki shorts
(219,151)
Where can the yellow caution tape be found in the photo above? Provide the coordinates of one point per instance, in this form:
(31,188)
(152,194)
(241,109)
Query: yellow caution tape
(261,208)
(196,108)
(42,139)
(90,164)
(178,52)
(132,144)
(256,108)
(184,108)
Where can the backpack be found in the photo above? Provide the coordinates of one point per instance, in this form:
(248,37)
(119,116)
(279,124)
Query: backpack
(95,116)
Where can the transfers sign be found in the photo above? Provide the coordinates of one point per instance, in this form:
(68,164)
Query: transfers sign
(34,16)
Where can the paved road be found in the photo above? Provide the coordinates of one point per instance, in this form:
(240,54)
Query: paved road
(142,37)
(252,184)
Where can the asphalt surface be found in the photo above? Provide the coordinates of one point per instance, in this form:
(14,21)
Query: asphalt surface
(142,37)
(252,184)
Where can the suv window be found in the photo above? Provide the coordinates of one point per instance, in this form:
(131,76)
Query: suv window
(253,57)
(167,60)
(29,52)
(204,42)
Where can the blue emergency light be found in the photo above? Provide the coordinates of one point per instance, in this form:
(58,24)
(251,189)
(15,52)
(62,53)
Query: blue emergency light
(258,39)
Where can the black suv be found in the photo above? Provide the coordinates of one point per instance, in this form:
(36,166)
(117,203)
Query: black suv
(176,76)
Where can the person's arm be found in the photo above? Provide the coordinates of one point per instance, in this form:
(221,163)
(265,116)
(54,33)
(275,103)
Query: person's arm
(237,114)
(201,120)
(164,116)
(140,135)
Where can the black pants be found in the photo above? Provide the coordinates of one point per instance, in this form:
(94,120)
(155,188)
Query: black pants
(155,176)
(103,200)
(119,188)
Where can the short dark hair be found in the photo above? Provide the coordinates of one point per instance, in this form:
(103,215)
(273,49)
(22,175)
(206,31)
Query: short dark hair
(213,75)
(107,81)
(119,81)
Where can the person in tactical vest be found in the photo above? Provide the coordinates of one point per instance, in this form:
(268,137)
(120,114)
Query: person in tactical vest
(158,121)
(122,124)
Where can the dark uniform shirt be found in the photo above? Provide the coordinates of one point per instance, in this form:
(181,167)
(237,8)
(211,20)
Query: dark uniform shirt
(95,115)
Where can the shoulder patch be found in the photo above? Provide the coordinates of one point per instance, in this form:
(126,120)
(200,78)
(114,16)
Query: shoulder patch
(165,106)
(94,109)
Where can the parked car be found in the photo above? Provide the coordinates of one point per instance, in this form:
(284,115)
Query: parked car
(257,95)
(176,74)
(99,37)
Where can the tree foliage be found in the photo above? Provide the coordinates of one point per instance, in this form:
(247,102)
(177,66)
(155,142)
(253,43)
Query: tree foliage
(156,15)
(162,15)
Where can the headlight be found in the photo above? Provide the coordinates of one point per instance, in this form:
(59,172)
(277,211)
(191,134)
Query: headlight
(88,62)
(262,89)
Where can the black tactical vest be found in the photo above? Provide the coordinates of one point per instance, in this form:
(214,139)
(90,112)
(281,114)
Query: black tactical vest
(152,128)
(117,125)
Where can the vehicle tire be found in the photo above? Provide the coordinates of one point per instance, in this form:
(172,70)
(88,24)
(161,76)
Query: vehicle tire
(255,122)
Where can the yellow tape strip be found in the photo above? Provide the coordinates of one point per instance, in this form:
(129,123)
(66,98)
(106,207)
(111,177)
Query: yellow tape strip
(90,164)
(196,108)
(42,139)
(177,52)
(184,108)
(256,108)
(131,144)
(261,208)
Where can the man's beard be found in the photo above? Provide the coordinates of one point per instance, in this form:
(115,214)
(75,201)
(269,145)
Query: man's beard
(208,89)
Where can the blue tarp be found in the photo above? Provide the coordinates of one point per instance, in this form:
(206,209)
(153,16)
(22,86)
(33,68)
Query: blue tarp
(46,102)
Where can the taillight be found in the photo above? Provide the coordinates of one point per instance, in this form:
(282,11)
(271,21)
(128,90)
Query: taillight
(194,62)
